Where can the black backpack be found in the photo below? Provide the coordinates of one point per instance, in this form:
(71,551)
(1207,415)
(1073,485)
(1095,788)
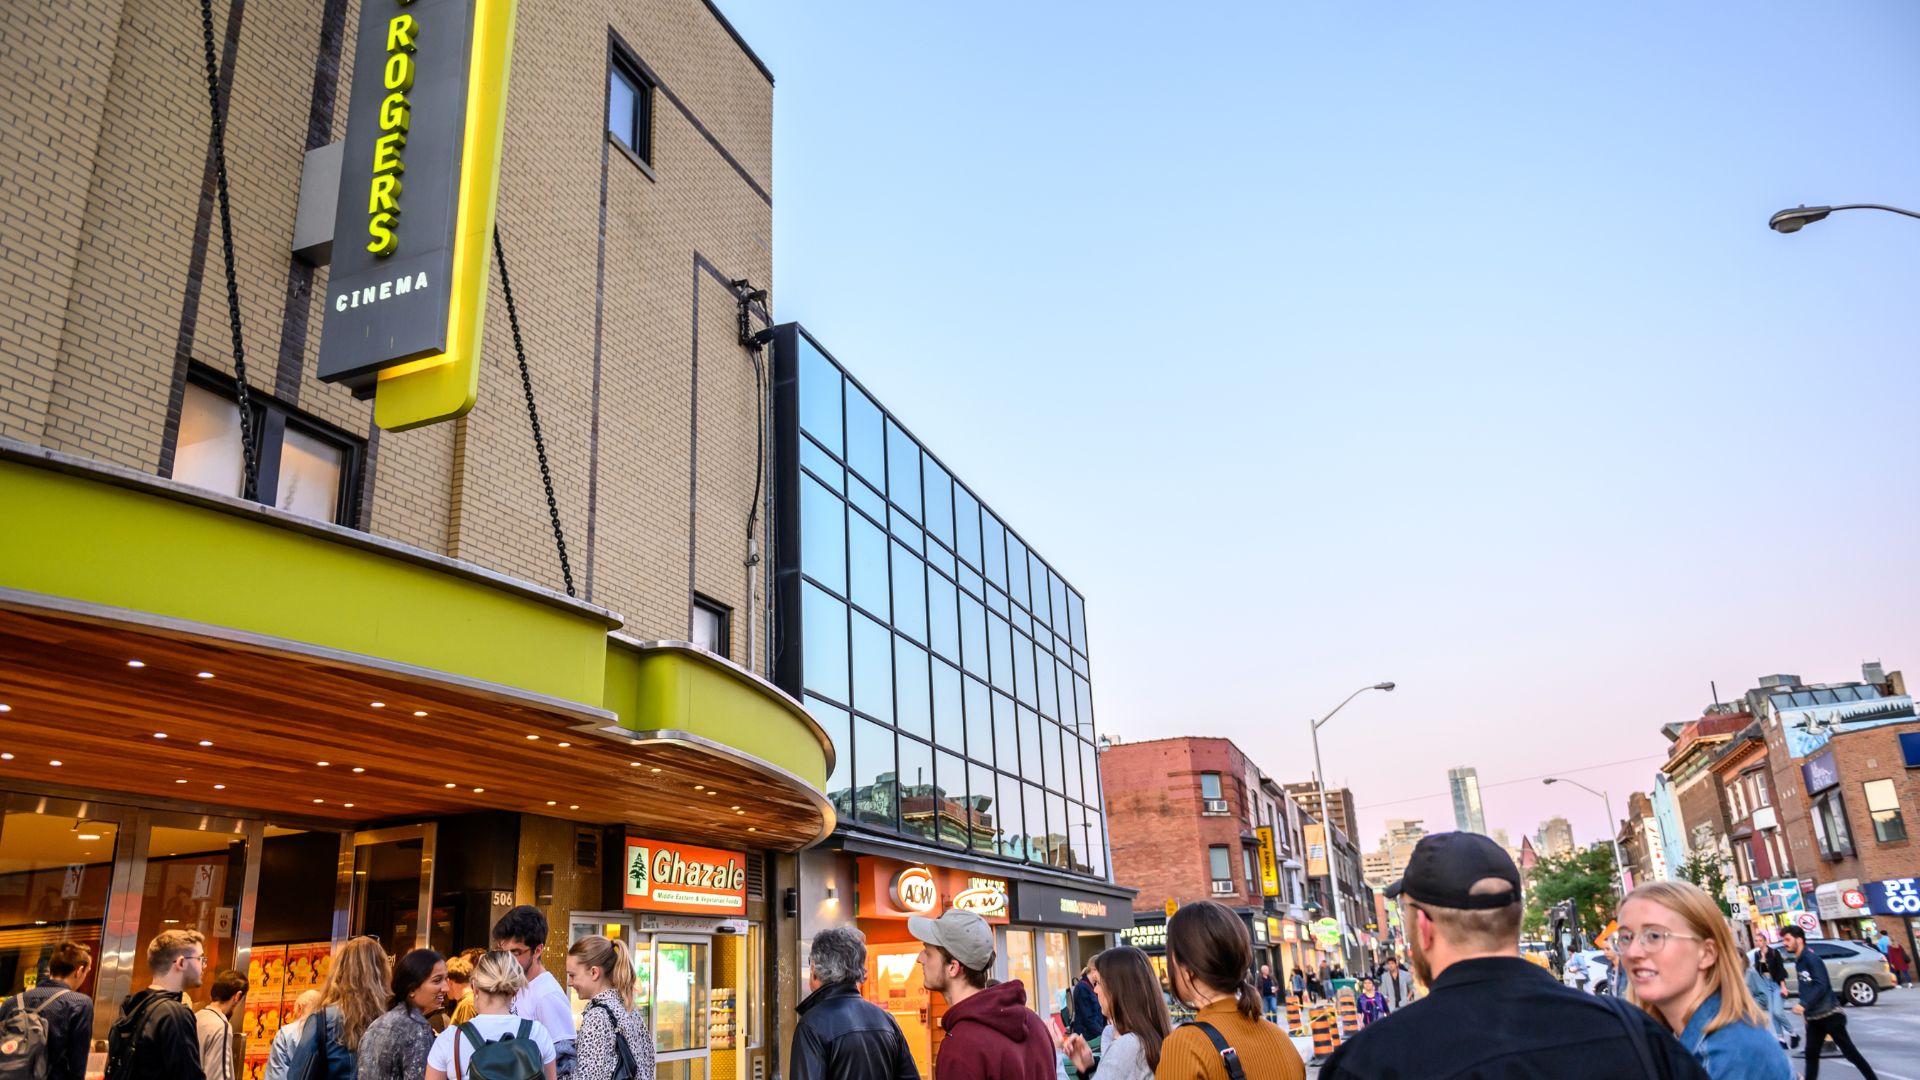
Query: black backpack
(23,1040)
(510,1057)
(624,1066)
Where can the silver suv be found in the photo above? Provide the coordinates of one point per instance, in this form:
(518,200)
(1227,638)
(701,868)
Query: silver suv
(1857,969)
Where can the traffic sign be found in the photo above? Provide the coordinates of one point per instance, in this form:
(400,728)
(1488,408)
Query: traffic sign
(1172,906)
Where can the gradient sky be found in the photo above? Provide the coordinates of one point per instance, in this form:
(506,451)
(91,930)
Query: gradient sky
(1325,343)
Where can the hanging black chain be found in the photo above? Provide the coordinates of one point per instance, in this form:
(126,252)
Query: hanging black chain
(533,414)
(250,478)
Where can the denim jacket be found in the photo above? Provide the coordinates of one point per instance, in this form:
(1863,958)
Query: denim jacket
(1739,1051)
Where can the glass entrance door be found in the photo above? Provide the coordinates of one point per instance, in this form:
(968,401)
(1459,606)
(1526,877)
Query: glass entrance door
(681,982)
(615,926)
(393,886)
(59,880)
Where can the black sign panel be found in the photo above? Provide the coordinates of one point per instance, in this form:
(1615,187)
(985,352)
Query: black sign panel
(388,293)
(1051,905)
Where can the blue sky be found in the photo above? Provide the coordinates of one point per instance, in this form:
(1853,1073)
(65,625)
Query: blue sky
(1319,344)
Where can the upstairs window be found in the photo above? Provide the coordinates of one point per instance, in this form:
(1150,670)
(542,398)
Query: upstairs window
(712,625)
(304,466)
(1210,785)
(630,107)
(1883,806)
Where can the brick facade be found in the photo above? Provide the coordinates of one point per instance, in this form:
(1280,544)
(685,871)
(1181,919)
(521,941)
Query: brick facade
(111,280)
(1858,757)
(1155,822)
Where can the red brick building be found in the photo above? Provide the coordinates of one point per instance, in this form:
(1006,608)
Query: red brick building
(1183,820)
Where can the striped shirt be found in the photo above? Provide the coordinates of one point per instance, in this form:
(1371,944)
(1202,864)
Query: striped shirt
(1264,1051)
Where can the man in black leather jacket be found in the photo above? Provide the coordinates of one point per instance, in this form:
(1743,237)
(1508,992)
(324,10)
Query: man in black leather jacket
(843,1036)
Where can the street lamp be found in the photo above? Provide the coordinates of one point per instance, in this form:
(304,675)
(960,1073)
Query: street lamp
(1792,221)
(1613,830)
(1326,820)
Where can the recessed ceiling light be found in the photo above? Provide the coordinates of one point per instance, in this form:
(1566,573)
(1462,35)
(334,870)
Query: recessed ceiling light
(317,801)
(550,802)
(206,742)
(419,712)
(533,736)
(564,745)
(359,768)
(478,790)
(453,785)
(55,763)
(656,769)
(136,663)
(179,781)
(750,828)
(219,787)
(733,808)
(347,805)
(574,806)
(710,791)
(699,787)
(6,757)
(89,836)
(376,704)
(203,674)
(6,708)
(323,764)
(159,734)
(633,764)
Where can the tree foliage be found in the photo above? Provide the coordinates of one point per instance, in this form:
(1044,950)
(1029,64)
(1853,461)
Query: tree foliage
(1705,869)
(1585,877)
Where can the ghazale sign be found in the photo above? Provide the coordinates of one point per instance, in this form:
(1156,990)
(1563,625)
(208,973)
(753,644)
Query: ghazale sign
(662,876)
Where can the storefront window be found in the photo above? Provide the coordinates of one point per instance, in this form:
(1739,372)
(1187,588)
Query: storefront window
(680,995)
(1059,967)
(54,877)
(193,882)
(1020,960)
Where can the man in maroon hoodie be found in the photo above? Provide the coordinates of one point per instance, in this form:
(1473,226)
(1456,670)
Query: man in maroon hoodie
(991,1034)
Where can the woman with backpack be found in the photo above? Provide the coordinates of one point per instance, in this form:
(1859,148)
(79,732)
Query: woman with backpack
(495,1044)
(614,1043)
(395,1046)
(352,998)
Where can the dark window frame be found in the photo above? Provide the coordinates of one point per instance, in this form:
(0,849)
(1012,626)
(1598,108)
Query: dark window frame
(703,602)
(624,63)
(271,420)
(1894,829)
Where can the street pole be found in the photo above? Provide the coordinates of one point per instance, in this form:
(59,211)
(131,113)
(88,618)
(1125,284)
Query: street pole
(1613,830)
(1326,819)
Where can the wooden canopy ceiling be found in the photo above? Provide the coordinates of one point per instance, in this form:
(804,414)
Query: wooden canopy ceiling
(108,707)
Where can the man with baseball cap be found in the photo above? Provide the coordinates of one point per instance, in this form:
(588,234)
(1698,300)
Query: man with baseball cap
(991,1034)
(1488,1013)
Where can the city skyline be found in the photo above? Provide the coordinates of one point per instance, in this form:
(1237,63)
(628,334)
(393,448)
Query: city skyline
(1456,497)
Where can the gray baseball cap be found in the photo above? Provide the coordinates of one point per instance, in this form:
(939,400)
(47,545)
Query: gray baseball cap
(964,935)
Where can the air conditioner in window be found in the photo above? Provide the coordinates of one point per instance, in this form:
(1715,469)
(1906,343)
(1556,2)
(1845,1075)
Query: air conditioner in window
(1223,888)
(1215,806)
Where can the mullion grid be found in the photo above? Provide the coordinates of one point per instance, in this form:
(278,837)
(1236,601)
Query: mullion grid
(1058,625)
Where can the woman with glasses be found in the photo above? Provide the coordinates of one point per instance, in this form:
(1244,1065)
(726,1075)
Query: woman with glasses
(1678,955)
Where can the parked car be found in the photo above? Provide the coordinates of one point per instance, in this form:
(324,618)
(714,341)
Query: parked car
(1587,970)
(1857,969)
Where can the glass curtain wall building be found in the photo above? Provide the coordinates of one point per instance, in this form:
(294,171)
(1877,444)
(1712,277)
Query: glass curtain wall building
(947,660)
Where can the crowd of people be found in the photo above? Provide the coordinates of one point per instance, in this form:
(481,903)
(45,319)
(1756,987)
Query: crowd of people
(494,1014)
(1685,1003)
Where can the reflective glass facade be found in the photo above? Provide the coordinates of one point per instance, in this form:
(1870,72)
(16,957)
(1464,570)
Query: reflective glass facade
(947,661)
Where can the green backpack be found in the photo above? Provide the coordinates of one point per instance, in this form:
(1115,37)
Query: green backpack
(510,1057)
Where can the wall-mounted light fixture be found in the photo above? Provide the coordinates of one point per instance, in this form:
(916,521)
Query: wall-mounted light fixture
(833,891)
(790,903)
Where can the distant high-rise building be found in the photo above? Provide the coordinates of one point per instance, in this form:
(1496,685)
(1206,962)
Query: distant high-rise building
(1555,838)
(1387,864)
(1467,815)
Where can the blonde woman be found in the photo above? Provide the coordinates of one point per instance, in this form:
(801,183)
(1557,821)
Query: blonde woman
(600,970)
(496,978)
(352,998)
(1681,961)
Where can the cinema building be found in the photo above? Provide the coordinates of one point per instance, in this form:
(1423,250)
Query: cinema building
(372,692)
(948,662)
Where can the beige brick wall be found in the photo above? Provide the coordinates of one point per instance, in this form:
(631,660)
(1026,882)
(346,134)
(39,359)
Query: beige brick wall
(103,180)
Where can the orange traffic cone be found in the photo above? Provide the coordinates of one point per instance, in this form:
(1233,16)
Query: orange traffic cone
(1325,1040)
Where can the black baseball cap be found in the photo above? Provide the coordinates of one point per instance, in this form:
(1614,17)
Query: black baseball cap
(1445,866)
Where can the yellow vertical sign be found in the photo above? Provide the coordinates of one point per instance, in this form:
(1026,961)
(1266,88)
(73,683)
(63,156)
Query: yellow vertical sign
(443,387)
(1269,868)
(1315,837)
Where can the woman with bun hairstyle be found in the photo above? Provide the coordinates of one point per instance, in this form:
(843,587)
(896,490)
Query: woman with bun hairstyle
(600,970)
(1210,958)
(395,1046)
(496,978)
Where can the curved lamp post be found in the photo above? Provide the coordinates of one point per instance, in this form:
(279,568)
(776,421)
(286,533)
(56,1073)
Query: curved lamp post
(1792,221)
(1326,821)
(1613,827)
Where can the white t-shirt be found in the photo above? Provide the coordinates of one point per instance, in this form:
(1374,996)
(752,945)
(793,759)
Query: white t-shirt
(543,1000)
(216,1043)
(491,1028)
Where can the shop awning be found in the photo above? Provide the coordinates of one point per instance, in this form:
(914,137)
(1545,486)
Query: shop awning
(161,642)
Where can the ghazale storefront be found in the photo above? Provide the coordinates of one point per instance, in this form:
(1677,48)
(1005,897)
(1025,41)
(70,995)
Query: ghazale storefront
(218,716)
